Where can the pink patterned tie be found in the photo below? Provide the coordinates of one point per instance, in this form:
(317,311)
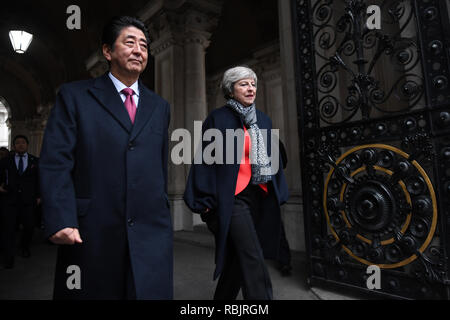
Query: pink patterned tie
(130,105)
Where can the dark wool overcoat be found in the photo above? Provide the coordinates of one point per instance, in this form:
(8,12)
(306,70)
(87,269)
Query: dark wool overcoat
(108,177)
(213,185)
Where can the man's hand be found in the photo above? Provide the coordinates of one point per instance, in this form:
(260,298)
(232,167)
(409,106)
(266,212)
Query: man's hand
(2,189)
(66,236)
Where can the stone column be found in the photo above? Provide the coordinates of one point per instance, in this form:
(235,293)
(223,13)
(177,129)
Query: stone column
(195,78)
(33,128)
(214,93)
(17,127)
(270,95)
(36,128)
(180,32)
(4,130)
(96,64)
(293,210)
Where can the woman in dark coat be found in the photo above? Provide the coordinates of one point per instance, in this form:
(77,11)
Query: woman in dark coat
(239,193)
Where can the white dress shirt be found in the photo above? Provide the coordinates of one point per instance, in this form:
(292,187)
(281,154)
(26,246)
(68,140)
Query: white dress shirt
(120,86)
(25,161)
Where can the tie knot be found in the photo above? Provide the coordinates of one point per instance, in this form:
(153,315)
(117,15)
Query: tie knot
(128,92)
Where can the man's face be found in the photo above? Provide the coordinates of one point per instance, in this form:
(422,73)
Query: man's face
(20,145)
(129,55)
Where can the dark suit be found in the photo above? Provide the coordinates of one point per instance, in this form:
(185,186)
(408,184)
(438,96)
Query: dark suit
(108,177)
(213,187)
(19,202)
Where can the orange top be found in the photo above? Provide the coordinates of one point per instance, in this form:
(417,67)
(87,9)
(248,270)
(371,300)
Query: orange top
(245,168)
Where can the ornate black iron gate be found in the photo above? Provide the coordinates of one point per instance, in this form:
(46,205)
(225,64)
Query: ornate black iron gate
(374,121)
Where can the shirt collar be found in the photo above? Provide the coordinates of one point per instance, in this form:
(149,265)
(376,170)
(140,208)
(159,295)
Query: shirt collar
(25,155)
(120,86)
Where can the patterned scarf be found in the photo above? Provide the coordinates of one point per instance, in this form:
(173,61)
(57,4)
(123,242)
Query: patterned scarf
(261,169)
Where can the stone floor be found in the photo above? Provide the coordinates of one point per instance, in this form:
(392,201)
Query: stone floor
(32,278)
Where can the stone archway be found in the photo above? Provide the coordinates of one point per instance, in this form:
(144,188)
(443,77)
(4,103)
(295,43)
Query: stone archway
(5,132)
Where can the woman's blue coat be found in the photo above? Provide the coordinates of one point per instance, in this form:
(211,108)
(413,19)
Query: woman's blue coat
(213,186)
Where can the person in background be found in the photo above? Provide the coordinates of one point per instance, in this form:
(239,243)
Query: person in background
(4,152)
(20,186)
(240,202)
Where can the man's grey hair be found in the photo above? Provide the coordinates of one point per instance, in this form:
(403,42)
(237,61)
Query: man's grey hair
(233,75)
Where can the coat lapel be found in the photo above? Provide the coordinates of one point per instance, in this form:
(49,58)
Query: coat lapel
(146,107)
(107,95)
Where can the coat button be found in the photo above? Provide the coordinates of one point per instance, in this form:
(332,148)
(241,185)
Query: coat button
(131,146)
(130,222)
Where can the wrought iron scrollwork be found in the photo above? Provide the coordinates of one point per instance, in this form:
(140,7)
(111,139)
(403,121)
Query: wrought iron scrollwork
(348,52)
(372,196)
(381,207)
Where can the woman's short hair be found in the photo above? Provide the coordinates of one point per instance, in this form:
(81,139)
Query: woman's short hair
(233,75)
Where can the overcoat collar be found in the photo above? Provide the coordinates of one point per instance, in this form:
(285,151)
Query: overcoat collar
(261,122)
(107,95)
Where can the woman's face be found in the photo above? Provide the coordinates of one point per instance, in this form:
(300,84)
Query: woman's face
(244,91)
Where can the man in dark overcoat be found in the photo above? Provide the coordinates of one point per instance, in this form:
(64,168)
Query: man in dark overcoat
(20,196)
(104,179)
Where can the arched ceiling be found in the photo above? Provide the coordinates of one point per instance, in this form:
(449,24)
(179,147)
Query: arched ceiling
(58,55)
(244,26)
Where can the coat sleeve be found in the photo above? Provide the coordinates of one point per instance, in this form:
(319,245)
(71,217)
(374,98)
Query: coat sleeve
(38,189)
(282,186)
(279,177)
(56,165)
(3,169)
(200,192)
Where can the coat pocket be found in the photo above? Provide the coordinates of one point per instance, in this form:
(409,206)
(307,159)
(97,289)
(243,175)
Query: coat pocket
(83,205)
